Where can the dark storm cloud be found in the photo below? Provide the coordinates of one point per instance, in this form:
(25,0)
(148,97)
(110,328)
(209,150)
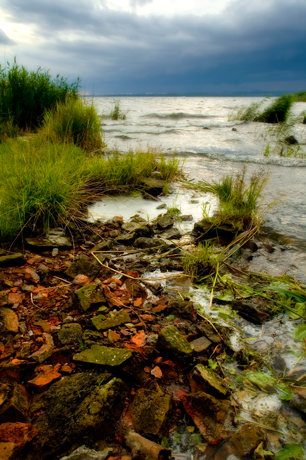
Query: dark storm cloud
(120,51)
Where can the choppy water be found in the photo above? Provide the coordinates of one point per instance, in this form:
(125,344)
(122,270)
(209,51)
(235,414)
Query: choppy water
(199,131)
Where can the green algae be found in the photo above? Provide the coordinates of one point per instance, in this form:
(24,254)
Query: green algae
(171,339)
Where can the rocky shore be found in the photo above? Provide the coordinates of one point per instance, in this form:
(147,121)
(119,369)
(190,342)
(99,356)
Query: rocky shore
(104,355)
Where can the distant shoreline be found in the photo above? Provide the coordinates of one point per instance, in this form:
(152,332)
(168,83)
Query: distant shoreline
(251,94)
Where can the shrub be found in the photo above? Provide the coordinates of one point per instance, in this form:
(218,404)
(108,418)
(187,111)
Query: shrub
(74,122)
(25,96)
(202,262)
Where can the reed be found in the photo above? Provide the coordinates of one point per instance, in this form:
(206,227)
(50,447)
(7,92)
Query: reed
(25,96)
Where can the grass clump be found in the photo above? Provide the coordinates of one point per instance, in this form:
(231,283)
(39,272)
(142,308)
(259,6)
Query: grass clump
(277,112)
(75,122)
(49,183)
(238,201)
(41,184)
(25,96)
(299,97)
(117,113)
(202,262)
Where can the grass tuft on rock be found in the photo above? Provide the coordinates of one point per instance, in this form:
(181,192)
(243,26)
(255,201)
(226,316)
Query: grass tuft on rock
(238,200)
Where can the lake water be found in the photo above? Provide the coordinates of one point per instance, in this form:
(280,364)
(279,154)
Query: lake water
(198,130)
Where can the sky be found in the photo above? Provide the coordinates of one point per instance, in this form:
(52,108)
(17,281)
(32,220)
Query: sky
(160,46)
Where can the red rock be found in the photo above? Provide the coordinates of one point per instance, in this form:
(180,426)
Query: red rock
(159,308)
(139,339)
(156,372)
(45,351)
(66,369)
(31,275)
(149,318)
(158,360)
(81,280)
(213,417)
(113,336)
(15,298)
(17,432)
(138,302)
(43,379)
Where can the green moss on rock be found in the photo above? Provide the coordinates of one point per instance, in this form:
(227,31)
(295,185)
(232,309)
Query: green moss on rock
(105,356)
(89,296)
(171,340)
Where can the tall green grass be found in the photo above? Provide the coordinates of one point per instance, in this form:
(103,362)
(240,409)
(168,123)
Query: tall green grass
(277,112)
(75,122)
(117,113)
(25,96)
(44,184)
(299,97)
(238,200)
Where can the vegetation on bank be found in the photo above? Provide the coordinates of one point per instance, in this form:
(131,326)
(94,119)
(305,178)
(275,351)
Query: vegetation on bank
(117,113)
(277,112)
(50,183)
(299,97)
(239,200)
(73,121)
(26,96)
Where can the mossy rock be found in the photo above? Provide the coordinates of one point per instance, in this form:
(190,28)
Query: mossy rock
(172,341)
(148,243)
(70,333)
(83,266)
(104,356)
(76,410)
(115,319)
(89,296)
(205,379)
(149,410)
(12,260)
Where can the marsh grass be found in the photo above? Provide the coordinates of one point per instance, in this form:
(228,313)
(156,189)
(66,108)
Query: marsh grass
(73,121)
(117,113)
(48,183)
(277,138)
(299,97)
(277,112)
(25,96)
(238,200)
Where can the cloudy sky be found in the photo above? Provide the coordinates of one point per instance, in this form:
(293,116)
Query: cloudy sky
(161,46)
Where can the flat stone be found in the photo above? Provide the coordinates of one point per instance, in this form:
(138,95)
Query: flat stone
(148,243)
(153,186)
(84,453)
(8,450)
(149,410)
(105,356)
(126,239)
(83,266)
(212,416)
(164,222)
(201,344)
(89,296)
(209,332)
(12,260)
(205,379)
(171,340)
(139,228)
(70,333)
(45,350)
(10,319)
(78,408)
(14,402)
(103,246)
(54,238)
(115,319)
(172,234)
